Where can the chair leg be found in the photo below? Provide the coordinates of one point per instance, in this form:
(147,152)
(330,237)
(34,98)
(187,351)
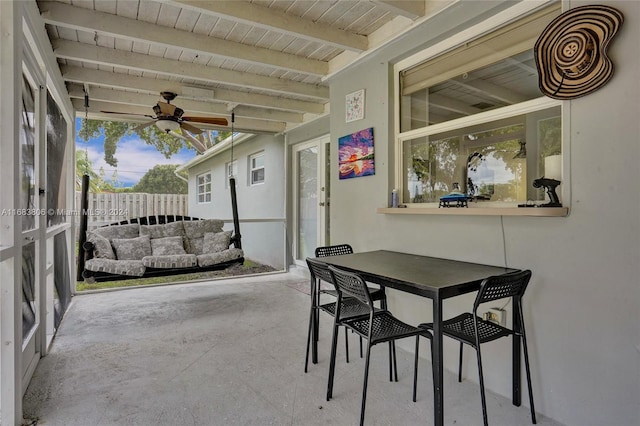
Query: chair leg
(361,354)
(528,371)
(332,362)
(390,362)
(482,394)
(316,329)
(415,370)
(311,325)
(346,343)
(395,360)
(364,386)
(460,364)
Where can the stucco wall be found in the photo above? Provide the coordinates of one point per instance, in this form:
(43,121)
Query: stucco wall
(582,306)
(255,202)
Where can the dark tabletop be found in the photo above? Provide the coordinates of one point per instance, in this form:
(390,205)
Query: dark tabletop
(421,275)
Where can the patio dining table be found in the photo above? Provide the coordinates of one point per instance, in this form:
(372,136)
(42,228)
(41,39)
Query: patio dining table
(433,278)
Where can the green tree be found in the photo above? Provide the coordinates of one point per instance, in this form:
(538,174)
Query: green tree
(161,180)
(84,166)
(114,131)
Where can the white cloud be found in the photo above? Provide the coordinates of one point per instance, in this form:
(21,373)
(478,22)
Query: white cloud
(135,158)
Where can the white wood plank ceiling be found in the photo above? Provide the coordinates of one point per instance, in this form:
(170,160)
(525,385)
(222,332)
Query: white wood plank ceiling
(267,60)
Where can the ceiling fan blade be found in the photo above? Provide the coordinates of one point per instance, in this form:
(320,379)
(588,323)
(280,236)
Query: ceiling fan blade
(192,129)
(208,120)
(127,113)
(144,125)
(167,109)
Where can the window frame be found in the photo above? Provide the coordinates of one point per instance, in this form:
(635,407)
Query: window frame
(504,18)
(200,186)
(252,169)
(230,166)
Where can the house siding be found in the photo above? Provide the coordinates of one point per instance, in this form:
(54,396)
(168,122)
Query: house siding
(582,306)
(260,207)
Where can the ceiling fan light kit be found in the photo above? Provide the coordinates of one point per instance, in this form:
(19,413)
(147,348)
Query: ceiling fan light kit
(169,118)
(167,125)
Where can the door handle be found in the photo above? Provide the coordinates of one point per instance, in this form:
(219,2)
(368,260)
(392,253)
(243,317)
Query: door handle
(321,204)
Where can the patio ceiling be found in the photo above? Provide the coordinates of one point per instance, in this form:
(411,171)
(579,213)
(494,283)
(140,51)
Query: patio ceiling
(267,60)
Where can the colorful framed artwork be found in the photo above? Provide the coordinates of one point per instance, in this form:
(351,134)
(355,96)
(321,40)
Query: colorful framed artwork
(355,154)
(354,104)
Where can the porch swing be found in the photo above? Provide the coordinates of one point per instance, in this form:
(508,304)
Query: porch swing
(113,252)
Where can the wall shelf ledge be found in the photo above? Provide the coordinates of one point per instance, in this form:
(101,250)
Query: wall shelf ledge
(479,211)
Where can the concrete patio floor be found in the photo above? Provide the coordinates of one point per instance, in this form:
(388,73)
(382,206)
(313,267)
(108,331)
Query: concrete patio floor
(228,352)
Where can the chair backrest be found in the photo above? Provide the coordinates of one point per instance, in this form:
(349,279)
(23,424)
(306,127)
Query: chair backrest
(333,250)
(351,284)
(319,270)
(501,286)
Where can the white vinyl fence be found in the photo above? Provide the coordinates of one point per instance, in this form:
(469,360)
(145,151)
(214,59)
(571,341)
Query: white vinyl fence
(106,208)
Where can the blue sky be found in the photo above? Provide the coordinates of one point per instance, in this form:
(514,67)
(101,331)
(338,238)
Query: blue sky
(134,156)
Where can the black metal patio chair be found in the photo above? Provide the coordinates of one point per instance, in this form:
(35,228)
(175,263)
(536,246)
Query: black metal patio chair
(468,328)
(316,292)
(351,308)
(379,326)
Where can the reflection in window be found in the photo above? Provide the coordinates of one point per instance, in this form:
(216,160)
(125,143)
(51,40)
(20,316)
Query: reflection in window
(28,288)
(27,155)
(56,163)
(488,162)
(478,122)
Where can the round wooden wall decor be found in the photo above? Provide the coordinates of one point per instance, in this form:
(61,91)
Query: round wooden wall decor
(571,52)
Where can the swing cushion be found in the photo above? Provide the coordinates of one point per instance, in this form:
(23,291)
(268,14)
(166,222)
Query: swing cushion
(132,248)
(133,268)
(128,249)
(215,242)
(195,230)
(101,246)
(170,261)
(118,231)
(172,229)
(227,255)
(167,246)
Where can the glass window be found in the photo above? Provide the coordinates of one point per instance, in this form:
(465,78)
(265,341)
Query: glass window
(256,167)
(473,120)
(203,190)
(232,171)
(27,155)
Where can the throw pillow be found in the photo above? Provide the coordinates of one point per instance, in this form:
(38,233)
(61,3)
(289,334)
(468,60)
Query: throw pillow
(101,246)
(197,228)
(131,230)
(216,241)
(132,248)
(194,245)
(171,229)
(167,246)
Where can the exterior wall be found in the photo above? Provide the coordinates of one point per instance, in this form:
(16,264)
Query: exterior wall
(309,131)
(260,207)
(582,306)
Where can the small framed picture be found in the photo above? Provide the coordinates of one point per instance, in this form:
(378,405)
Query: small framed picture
(354,104)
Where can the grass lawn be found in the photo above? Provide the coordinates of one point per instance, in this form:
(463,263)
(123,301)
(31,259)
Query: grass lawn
(249,267)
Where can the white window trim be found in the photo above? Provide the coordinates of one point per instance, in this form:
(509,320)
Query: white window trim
(198,186)
(513,13)
(251,168)
(234,168)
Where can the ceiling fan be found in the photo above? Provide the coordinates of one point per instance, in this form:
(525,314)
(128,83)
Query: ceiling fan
(169,117)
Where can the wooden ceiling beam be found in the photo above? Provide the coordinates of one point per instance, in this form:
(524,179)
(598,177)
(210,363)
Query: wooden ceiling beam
(107,24)
(273,20)
(190,106)
(124,81)
(82,52)
(242,124)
